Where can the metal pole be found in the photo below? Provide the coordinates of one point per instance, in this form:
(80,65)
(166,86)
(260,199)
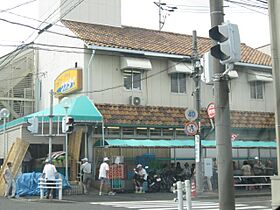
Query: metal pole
(86,140)
(50,123)
(66,147)
(103,137)
(188,195)
(222,121)
(66,156)
(196,78)
(180,195)
(159,15)
(4,136)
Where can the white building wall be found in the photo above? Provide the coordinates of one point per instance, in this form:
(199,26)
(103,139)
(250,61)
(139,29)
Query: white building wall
(103,12)
(11,135)
(156,90)
(34,139)
(96,11)
(54,60)
(239,95)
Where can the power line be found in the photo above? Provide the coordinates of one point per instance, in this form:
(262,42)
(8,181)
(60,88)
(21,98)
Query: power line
(40,31)
(45,20)
(17,23)
(23,4)
(246,7)
(30,18)
(246,4)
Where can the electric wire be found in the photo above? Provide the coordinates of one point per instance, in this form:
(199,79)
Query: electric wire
(46,28)
(17,6)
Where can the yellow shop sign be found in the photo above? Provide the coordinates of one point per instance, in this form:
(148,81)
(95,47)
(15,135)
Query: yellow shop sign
(68,81)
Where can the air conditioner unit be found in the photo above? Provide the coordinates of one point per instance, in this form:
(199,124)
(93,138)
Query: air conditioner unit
(133,100)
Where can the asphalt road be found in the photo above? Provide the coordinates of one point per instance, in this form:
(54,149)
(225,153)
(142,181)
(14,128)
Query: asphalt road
(109,203)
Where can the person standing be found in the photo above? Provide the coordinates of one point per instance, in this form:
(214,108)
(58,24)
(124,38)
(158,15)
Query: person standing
(104,177)
(49,173)
(140,177)
(247,171)
(9,181)
(86,175)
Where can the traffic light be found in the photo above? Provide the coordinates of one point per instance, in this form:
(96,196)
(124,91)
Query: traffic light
(228,48)
(33,124)
(67,124)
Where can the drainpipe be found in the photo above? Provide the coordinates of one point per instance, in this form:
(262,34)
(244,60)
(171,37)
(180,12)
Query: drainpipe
(37,81)
(88,74)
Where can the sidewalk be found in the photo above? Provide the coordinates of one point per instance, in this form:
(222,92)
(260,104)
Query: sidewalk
(123,196)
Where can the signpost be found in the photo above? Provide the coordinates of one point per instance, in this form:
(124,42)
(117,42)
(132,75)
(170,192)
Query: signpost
(197,148)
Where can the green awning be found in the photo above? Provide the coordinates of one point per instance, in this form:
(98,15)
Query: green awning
(181,143)
(80,108)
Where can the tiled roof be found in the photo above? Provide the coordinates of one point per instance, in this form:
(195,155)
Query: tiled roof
(152,40)
(171,116)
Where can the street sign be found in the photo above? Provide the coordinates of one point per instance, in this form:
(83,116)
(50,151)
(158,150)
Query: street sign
(191,114)
(211,110)
(191,128)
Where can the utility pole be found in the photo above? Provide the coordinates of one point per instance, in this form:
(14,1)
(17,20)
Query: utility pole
(159,15)
(196,78)
(273,8)
(166,9)
(222,121)
(50,124)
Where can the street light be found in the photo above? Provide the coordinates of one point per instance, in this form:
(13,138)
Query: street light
(4,113)
(66,104)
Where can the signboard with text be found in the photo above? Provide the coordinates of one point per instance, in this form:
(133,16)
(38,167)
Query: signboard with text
(191,114)
(68,81)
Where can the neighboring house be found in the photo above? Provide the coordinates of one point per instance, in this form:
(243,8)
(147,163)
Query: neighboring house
(140,80)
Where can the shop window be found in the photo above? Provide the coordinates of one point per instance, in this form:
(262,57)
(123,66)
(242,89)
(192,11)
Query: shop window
(141,131)
(128,131)
(155,131)
(180,132)
(113,130)
(167,132)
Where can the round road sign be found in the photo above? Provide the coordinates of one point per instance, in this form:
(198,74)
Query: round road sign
(191,128)
(191,114)
(211,110)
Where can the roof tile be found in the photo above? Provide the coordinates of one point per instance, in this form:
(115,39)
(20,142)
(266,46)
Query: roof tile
(154,41)
(174,117)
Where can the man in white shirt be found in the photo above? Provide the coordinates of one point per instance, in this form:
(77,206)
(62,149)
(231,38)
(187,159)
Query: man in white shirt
(140,177)
(104,177)
(86,174)
(49,173)
(9,180)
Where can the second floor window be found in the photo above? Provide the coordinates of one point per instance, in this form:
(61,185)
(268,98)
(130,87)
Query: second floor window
(178,83)
(257,89)
(132,79)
